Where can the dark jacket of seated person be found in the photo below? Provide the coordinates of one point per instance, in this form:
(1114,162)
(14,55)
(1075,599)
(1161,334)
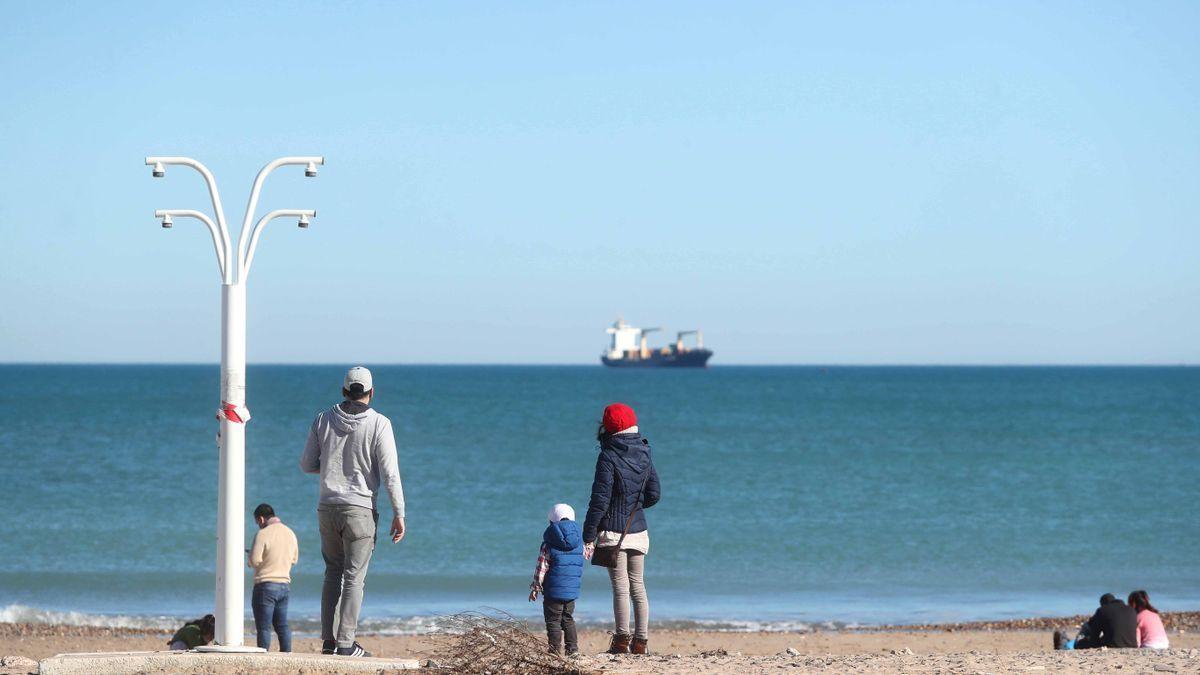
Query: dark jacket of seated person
(1113,625)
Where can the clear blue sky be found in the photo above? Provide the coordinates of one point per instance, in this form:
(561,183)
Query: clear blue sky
(809,183)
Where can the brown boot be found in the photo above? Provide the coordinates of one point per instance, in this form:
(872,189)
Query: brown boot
(619,644)
(638,646)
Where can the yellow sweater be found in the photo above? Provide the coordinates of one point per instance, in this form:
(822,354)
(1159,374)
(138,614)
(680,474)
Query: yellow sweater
(274,552)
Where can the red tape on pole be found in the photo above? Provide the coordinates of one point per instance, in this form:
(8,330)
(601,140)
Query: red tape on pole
(233,413)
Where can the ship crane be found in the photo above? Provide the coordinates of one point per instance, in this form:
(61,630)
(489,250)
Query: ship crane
(679,339)
(646,352)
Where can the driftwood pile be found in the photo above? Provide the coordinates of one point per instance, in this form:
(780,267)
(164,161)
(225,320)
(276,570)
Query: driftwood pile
(496,643)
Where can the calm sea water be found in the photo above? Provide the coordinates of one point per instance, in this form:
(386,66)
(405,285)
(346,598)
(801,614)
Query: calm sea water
(791,495)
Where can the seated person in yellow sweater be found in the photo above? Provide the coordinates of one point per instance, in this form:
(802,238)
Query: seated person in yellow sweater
(274,552)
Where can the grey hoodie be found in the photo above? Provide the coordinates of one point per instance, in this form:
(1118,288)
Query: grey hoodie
(352,452)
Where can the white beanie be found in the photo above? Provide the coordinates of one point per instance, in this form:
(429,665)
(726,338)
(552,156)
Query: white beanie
(561,512)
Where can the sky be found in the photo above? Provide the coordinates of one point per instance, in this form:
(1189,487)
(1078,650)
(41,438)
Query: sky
(809,183)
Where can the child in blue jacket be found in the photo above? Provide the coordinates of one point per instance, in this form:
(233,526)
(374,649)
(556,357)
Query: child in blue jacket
(558,576)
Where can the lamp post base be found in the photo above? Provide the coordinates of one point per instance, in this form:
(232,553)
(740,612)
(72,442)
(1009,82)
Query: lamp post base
(231,649)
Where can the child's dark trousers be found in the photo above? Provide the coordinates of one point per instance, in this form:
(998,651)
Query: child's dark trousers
(560,623)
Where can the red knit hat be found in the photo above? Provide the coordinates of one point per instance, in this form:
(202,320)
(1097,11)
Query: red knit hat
(618,416)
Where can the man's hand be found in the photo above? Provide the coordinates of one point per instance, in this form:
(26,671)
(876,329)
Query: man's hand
(397,529)
(588,549)
(532,595)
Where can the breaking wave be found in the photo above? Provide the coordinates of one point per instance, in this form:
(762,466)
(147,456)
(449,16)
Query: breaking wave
(410,625)
(26,614)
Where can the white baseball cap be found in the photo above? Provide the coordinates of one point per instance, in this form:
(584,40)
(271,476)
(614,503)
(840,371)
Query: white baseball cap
(561,512)
(360,376)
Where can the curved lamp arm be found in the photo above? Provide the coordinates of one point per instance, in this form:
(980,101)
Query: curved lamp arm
(220,244)
(257,232)
(208,178)
(218,210)
(252,204)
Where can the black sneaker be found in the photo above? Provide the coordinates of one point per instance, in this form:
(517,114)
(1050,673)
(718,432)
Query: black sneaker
(1059,639)
(329,646)
(356,650)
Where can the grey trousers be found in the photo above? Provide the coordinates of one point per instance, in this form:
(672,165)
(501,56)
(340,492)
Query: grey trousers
(627,584)
(347,541)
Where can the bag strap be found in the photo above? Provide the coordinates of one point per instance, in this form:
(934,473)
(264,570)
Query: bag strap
(636,505)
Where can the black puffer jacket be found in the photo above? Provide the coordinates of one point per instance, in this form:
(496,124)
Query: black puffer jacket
(1113,625)
(623,464)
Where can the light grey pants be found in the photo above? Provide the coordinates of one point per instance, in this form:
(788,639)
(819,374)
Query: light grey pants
(347,541)
(627,583)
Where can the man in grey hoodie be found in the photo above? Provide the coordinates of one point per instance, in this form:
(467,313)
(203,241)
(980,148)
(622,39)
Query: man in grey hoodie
(353,448)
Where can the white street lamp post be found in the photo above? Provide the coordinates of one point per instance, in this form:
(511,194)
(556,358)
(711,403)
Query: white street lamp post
(233,415)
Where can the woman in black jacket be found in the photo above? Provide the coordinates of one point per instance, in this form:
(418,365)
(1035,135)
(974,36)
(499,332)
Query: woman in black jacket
(625,485)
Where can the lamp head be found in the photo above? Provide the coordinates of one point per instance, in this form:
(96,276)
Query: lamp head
(158,172)
(167,222)
(303,221)
(311,170)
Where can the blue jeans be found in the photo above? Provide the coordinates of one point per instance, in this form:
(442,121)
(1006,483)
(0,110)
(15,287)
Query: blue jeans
(269,601)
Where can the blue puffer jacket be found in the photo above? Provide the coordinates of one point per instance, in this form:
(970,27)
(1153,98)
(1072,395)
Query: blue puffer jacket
(565,543)
(623,464)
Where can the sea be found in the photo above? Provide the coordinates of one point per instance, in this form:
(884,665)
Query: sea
(792,497)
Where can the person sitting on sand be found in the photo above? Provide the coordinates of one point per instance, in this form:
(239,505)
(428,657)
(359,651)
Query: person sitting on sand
(194,634)
(1150,631)
(557,577)
(1114,625)
(271,557)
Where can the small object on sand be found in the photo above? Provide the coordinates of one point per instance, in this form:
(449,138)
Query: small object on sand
(791,651)
(715,652)
(905,651)
(18,664)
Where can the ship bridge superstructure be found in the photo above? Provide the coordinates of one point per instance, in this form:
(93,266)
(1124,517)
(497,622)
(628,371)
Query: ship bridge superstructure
(624,339)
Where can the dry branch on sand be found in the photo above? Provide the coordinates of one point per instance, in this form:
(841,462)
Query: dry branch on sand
(496,643)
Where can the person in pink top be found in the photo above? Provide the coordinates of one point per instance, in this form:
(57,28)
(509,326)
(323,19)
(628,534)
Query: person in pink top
(1151,634)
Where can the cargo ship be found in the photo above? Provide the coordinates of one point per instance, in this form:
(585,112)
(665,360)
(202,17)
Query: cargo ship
(628,349)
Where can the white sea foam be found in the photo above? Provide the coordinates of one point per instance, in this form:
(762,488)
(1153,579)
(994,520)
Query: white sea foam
(409,625)
(15,613)
(413,625)
(747,626)
(26,614)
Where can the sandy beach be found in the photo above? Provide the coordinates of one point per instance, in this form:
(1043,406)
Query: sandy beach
(991,647)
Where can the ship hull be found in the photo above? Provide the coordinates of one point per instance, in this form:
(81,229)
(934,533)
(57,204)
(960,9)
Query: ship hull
(692,358)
